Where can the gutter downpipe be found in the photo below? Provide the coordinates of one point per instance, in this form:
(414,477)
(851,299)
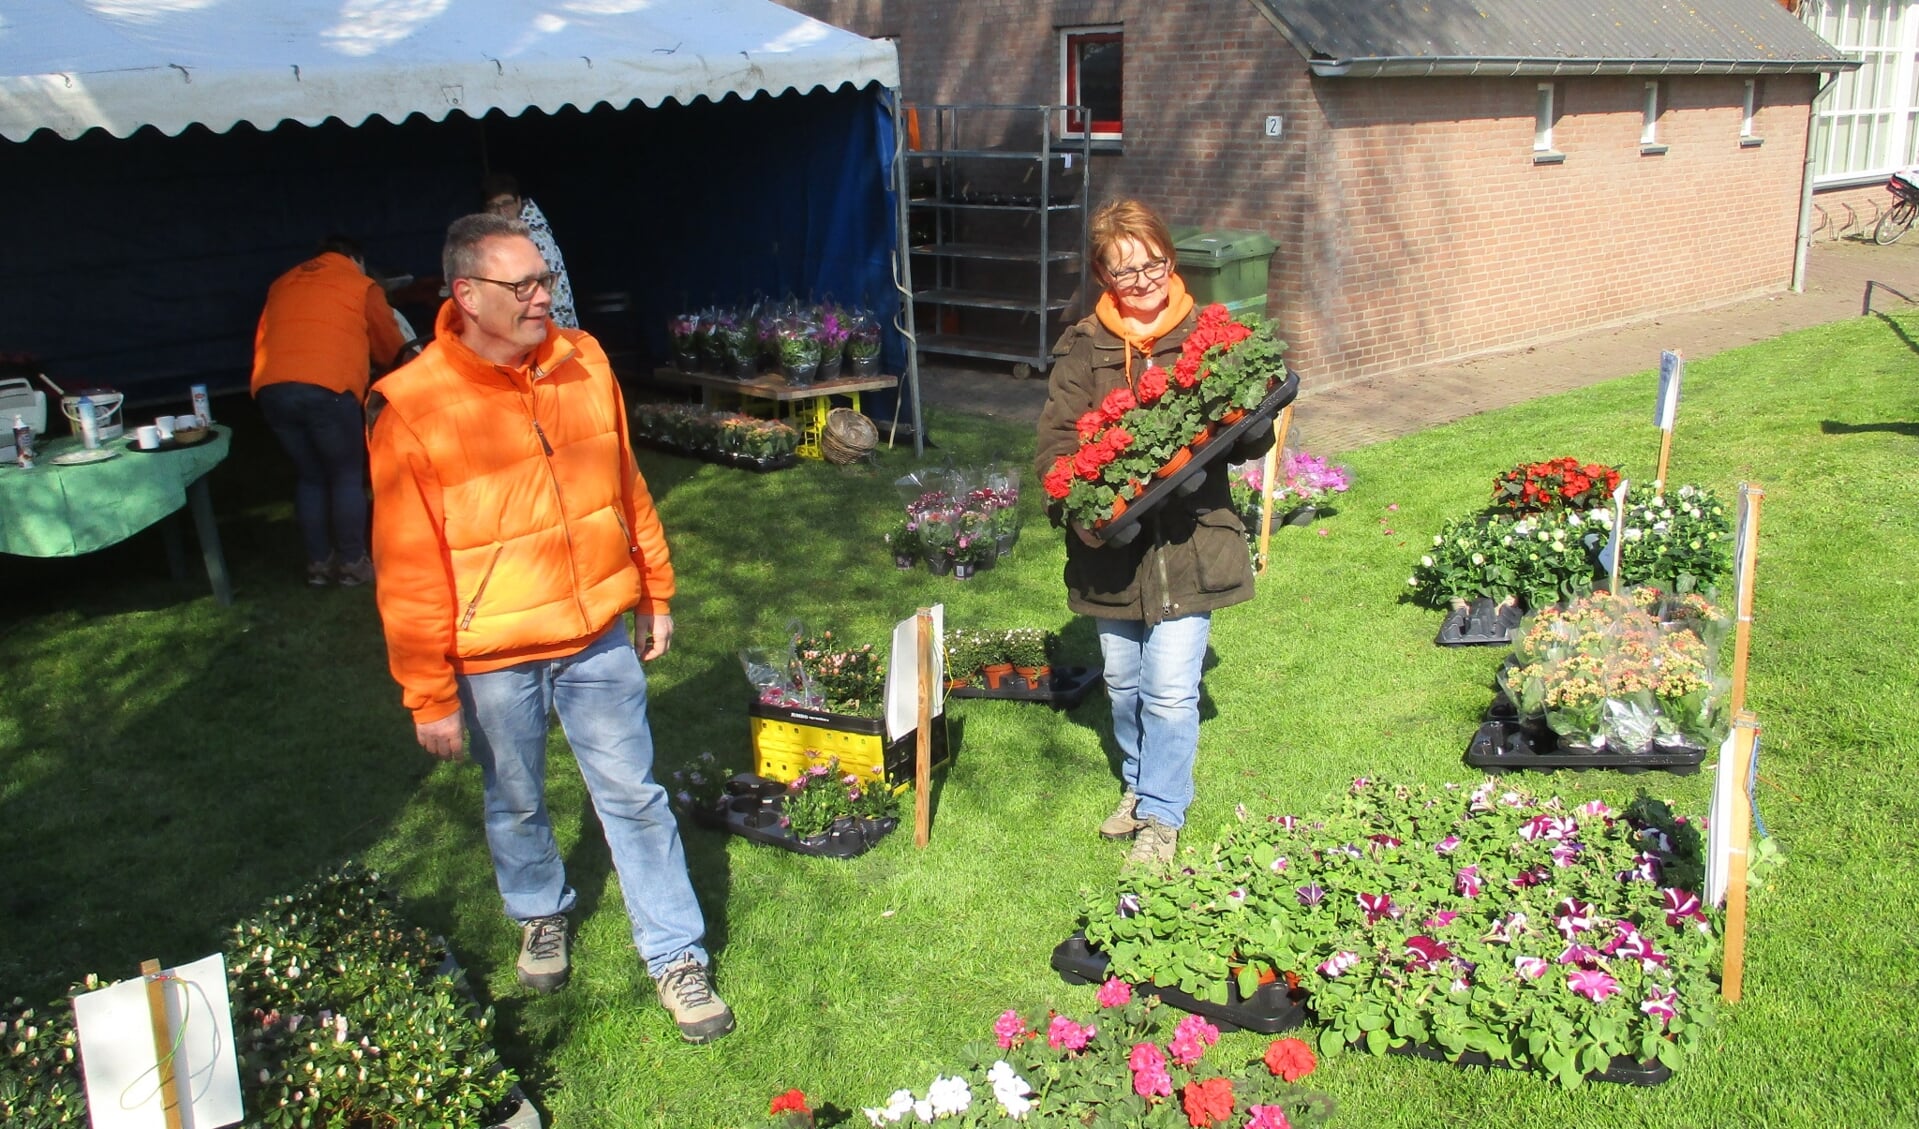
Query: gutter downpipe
(1802,239)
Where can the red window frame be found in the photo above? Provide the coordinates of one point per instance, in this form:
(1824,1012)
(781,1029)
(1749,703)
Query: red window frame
(1071,42)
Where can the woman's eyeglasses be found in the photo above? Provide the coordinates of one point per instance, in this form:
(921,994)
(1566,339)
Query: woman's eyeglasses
(524,289)
(1152,271)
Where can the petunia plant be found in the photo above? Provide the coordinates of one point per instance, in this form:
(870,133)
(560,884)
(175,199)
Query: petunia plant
(1488,919)
(1120,1070)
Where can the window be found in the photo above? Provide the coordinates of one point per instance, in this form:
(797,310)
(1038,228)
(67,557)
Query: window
(1748,139)
(1649,118)
(1090,76)
(1545,114)
(1867,121)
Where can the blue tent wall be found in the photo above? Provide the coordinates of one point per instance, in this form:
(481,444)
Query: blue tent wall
(140,263)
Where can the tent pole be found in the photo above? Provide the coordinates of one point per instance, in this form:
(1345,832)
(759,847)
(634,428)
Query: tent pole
(903,270)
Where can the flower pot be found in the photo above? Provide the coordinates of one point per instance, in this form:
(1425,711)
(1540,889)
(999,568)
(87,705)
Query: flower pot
(1202,436)
(963,570)
(799,375)
(1037,677)
(829,367)
(1173,465)
(1003,544)
(939,565)
(1232,416)
(863,367)
(1302,515)
(958,683)
(996,674)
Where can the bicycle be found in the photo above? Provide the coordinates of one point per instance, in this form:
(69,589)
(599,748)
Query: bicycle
(1898,218)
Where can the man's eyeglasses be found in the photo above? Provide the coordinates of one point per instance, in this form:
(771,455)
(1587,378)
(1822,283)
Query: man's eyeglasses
(1152,271)
(524,289)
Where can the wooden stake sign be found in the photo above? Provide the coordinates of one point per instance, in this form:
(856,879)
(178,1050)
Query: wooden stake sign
(923,746)
(1267,482)
(159,1049)
(1728,838)
(1737,818)
(1672,368)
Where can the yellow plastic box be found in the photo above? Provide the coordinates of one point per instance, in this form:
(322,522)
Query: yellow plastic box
(787,741)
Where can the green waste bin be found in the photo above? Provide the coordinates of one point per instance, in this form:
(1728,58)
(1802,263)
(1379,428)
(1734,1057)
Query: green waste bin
(1228,267)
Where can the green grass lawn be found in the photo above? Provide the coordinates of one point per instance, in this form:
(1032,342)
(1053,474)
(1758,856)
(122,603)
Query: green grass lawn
(165,763)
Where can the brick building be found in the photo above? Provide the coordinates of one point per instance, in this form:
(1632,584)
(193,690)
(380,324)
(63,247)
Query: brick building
(1441,177)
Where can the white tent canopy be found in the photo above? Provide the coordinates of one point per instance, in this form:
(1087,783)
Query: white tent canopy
(118,65)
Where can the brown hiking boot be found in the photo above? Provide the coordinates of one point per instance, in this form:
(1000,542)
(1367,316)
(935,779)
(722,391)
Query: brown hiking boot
(1122,823)
(356,573)
(1154,846)
(543,965)
(686,991)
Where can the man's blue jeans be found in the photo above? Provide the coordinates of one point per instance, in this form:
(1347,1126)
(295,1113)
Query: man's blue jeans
(1152,680)
(600,694)
(324,434)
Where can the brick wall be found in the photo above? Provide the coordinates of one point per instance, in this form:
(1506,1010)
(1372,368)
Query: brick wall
(1413,224)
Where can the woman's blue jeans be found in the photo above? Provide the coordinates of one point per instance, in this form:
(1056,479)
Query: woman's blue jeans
(1152,680)
(600,695)
(325,436)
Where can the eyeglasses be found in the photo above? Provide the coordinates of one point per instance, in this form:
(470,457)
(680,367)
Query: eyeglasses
(524,289)
(1152,271)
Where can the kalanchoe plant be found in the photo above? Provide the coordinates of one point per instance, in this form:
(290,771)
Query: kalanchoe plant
(850,678)
(1121,1070)
(1541,933)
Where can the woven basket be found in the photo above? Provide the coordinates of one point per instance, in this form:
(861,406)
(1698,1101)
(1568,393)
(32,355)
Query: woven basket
(848,437)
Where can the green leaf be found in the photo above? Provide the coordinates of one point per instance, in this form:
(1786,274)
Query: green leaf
(1377,1041)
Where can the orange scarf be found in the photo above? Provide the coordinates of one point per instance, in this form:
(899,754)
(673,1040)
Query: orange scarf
(1178,305)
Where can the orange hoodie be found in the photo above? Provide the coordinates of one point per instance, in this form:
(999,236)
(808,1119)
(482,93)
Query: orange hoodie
(510,522)
(1178,305)
(324,320)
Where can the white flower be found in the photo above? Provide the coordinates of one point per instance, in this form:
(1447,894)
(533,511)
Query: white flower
(1572,519)
(1660,526)
(1634,534)
(1479,558)
(924,1111)
(1438,541)
(1412,582)
(1506,540)
(1426,561)
(1010,1090)
(896,1107)
(949,1096)
(1542,535)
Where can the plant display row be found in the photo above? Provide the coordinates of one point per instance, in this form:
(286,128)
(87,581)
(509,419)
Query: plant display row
(788,336)
(1226,367)
(956,517)
(726,437)
(809,806)
(340,1017)
(1121,1069)
(1623,672)
(1484,919)
(1678,540)
(818,672)
(984,657)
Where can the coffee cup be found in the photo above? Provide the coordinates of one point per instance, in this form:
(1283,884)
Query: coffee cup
(164,425)
(147,436)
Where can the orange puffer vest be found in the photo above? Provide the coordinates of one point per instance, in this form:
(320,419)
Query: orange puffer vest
(510,522)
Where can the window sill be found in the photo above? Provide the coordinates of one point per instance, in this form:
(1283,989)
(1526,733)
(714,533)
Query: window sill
(1751,142)
(1652,150)
(1101,146)
(1548,157)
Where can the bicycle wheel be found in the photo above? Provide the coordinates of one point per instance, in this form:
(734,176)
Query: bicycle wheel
(1895,223)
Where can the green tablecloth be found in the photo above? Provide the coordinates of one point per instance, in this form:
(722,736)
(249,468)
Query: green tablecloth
(63,511)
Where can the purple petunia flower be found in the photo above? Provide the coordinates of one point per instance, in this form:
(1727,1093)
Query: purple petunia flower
(1661,1004)
(1573,917)
(1447,845)
(1682,906)
(1583,955)
(1441,919)
(1551,827)
(1467,882)
(1506,928)
(1532,968)
(1378,907)
(1533,877)
(1592,984)
(1566,853)
(1424,952)
(1310,895)
(1332,966)
(1279,864)
(1128,905)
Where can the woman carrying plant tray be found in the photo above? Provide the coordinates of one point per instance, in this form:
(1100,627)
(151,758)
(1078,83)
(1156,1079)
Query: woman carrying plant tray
(1153,596)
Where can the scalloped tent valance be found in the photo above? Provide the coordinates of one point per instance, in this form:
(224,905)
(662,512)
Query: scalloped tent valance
(121,65)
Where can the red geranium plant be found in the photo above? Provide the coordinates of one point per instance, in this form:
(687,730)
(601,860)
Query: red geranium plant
(1223,365)
(1556,484)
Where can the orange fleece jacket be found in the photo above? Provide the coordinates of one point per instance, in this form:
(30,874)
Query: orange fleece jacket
(510,521)
(324,320)
(1178,305)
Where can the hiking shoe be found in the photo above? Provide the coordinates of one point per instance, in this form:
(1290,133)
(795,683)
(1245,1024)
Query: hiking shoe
(1154,845)
(355,574)
(319,573)
(687,993)
(543,966)
(1122,823)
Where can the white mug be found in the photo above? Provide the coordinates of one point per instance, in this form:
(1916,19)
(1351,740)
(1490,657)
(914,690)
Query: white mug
(148,437)
(164,425)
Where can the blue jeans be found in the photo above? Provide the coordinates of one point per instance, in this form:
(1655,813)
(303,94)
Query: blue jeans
(600,694)
(325,436)
(1152,680)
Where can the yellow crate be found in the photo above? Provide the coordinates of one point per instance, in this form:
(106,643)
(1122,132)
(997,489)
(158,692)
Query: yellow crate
(788,741)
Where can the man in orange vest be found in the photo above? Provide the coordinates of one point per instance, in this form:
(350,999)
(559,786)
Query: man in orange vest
(513,532)
(324,322)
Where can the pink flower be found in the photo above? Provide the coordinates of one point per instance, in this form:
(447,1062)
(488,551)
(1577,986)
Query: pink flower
(1424,952)
(1447,845)
(1532,968)
(1321,532)
(1267,1117)
(1466,882)
(1378,907)
(1114,993)
(1149,1071)
(1010,1028)
(1573,917)
(1331,967)
(1441,919)
(1592,984)
(1191,1038)
(1583,955)
(1393,506)
(1661,1004)
(1064,1034)
(1682,906)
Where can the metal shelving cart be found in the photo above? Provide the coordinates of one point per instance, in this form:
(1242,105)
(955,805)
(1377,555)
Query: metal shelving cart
(999,205)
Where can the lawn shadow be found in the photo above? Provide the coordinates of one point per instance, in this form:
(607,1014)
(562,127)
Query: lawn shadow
(1835,427)
(1887,320)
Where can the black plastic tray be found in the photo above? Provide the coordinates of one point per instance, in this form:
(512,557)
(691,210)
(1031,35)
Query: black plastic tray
(1480,624)
(1224,441)
(1070,685)
(519,1112)
(1272,1009)
(1626,1071)
(720,458)
(751,809)
(1503,745)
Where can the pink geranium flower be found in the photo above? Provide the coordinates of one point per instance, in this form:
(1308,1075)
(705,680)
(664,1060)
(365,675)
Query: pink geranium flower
(1191,1038)
(1114,993)
(1010,1028)
(1149,1071)
(1065,1034)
